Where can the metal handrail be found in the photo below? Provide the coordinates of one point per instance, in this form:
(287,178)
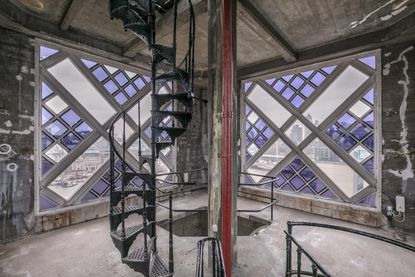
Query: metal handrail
(291,224)
(315,265)
(254,174)
(258,210)
(259,184)
(218,265)
(182,171)
(271,205)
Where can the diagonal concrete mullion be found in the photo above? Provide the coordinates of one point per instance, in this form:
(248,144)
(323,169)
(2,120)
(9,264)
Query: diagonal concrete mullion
(304,157)
(304,107)
(89,119)
(54,59)
(99,130)
(310,100)
(332,145)
(100,88)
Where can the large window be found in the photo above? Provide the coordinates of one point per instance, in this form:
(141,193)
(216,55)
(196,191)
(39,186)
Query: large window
(314,129)
(79,96)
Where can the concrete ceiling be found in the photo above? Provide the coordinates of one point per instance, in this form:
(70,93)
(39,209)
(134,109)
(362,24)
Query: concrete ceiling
(308,23)
(266,29)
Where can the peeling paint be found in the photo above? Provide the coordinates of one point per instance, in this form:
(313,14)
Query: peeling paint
(8,123)
(5,149)
(15,132)
(408,172)
(24,69)
(396,9)
(26,117)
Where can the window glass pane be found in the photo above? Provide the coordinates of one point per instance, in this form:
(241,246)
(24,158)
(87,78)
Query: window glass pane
(46,52)
(130,74)
(46,116)
(337,92)
(269,159)
(335,168)
(77,85)
(56,104)
(88,63)
(83,130)
(56,129)
(145,149)
(269,106)
(79,172)
(145,110)
(46,141)
(71,118)
(297,132)
(360,108)
(119,130)
(46,166)
(369,97)
(111,69)
(370,61)
(56,153)
(46,91)
(121,98)
(329,69)
(46,204)
(359,153)
(70,141)
(139,83)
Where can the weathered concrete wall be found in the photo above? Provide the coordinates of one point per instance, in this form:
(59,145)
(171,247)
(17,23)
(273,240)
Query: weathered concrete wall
(331,209)
(16,135)
(192,145)
(398,124)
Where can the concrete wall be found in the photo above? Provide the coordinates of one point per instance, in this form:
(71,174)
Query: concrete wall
(192,145)
(398,124)
(16,135)
(17,138)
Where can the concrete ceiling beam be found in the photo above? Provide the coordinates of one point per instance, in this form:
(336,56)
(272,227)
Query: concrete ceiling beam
(70,13)
(254,18)
(165,24)
(400,32)
(13,19)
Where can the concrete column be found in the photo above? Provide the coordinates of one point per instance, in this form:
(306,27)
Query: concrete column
(223,123)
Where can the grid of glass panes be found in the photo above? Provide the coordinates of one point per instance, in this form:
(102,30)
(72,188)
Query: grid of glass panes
(295,88)
(120,84)
(354,131)
(64,130)
(257,132)
(298,177)
(101,188)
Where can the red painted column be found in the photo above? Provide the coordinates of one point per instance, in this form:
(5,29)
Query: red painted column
(227,130)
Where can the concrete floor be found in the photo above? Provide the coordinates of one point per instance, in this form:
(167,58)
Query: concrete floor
(87,250)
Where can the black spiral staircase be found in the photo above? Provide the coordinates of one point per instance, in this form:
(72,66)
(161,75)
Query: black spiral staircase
(139,16)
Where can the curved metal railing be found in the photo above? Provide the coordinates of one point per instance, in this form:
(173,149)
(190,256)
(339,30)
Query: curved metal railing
(272,199)
(217,263)
(316,268)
